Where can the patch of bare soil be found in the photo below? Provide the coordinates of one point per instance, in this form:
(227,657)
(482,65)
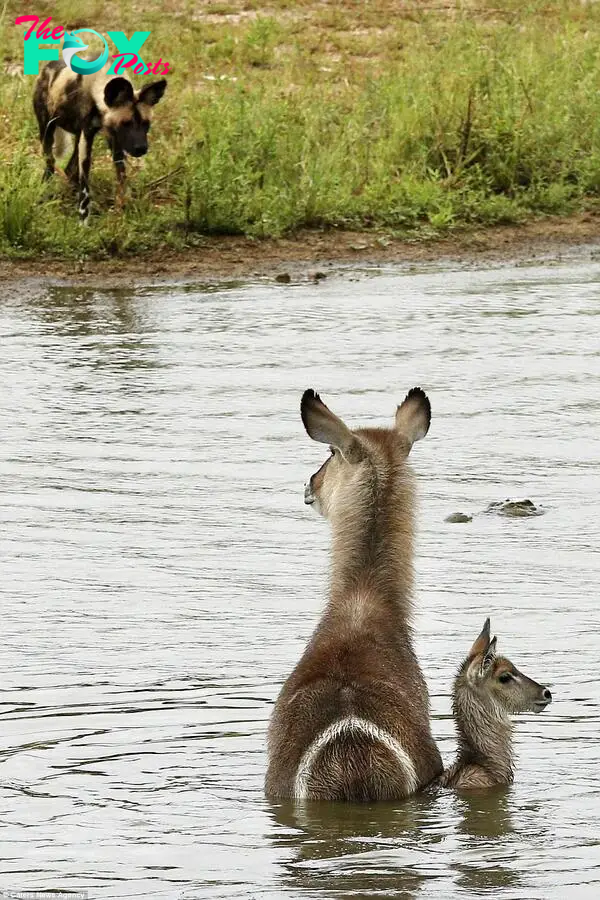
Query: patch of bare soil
(312,254)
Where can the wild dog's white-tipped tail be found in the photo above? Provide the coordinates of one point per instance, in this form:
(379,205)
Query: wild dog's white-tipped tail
(63,142)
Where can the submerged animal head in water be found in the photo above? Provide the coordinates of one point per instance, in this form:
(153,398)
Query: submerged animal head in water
(495,682)
(359,458)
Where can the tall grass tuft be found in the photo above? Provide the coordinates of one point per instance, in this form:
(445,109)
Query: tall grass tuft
(20,193)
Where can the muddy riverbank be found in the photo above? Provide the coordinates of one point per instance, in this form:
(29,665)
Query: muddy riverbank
(309,254)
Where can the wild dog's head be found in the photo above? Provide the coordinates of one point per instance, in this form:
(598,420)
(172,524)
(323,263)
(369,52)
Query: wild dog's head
(127,121)
(362,458)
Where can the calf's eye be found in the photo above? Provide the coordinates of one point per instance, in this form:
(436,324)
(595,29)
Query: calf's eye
(505,678)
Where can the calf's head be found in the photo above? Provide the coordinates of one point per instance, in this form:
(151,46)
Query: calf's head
(496,683)
(127,121)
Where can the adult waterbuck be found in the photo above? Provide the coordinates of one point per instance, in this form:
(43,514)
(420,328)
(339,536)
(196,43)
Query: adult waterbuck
(352,720)
(487,690)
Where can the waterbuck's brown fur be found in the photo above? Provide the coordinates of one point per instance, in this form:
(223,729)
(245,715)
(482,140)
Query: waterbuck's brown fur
(352,720)
(487,690)
(82,105)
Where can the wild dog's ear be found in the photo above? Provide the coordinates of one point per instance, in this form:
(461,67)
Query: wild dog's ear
(118,92)
(324,426)
(413,416)
(152,93)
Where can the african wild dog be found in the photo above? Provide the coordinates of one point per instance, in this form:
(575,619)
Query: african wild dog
(83,105)
(352,720)
(487,689)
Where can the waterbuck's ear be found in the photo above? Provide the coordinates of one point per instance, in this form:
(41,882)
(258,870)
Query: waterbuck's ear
(324,426)
(481,645)
(118,92)
(482,654)
(413,416)
(490,656)
(152,93)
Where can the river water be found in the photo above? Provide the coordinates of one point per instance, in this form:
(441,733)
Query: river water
(161,574)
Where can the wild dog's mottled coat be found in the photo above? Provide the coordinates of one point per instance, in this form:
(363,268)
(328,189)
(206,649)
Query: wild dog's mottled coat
(83,105)
(487,689)
(352,720)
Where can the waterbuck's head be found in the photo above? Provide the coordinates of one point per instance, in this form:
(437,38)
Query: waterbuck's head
(359,460)
(127,120)
(494,683)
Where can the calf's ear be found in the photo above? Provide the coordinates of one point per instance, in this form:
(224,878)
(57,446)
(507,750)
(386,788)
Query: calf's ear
(481,645)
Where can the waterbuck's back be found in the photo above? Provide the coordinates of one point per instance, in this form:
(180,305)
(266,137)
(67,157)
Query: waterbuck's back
(352,721)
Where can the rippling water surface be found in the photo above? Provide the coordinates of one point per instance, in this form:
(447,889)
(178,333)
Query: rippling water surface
(160,575)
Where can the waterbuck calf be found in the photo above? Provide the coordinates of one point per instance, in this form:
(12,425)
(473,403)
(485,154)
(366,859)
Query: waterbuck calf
(83,105)
(487,689)
(352,720)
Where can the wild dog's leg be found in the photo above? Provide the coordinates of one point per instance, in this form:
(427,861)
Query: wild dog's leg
(72,167)
(46,123)
(86,140)
(119,160)
(47,139)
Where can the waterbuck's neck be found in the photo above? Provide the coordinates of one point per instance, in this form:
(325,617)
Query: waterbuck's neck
(372,544)
(484,736)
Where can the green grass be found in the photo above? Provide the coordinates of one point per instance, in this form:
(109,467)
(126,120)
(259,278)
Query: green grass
(345,115)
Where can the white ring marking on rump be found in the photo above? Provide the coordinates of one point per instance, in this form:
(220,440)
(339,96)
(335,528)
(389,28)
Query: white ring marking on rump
(341,727)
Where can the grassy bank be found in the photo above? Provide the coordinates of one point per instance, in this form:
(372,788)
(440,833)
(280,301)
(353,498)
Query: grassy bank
(306,114)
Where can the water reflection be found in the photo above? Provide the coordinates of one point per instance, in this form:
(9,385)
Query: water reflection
(485,821)
(350,848)
(484,814)
(367,849)
(87,312)
(111,328)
